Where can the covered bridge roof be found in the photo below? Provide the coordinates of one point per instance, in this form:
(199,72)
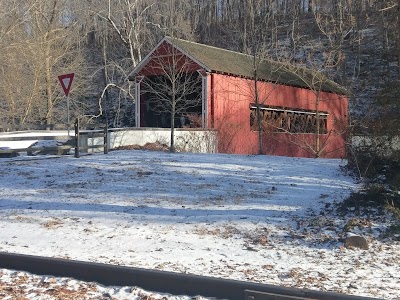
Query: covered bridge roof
(218,60)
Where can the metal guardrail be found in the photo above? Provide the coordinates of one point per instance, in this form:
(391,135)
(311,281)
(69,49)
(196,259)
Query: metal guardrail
(30,138)
(161,281)
(93,133)
(79,142)
(59,150)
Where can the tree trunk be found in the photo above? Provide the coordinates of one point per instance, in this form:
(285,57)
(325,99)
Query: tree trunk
(49,115)
(398,39)
(173,108)
(258,112)
(105,79)
(318,129)
(244,44)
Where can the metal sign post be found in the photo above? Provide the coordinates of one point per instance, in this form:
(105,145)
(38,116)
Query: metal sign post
(66,82)
(68,122)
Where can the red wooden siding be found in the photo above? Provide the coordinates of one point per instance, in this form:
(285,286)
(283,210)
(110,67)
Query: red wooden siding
(232,97)
(163,56)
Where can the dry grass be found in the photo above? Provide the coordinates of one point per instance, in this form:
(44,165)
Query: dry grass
(157,146)
(52,224)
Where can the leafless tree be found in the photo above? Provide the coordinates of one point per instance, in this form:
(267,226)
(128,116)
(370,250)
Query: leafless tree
(257,37)
(175,89)
(317,82)
(122,32)
(391,13)
(40,45)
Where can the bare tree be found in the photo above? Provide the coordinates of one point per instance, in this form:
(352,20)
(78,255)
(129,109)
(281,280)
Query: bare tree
(53,30)
(128,19)
(398,37)
(318,83)
(130,23)
(391,12)
(40,44)
(174,86)
(257,36)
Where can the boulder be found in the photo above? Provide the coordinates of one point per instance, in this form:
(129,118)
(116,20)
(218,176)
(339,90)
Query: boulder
(356,241)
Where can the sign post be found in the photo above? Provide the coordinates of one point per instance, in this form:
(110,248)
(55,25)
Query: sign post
(66,82)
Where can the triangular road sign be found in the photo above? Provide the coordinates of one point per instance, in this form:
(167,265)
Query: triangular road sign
(66,82)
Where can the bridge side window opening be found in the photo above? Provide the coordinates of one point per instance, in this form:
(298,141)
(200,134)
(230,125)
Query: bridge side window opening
(280,119)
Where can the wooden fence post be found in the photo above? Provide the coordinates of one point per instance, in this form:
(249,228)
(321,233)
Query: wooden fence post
(77,138)
(106,139)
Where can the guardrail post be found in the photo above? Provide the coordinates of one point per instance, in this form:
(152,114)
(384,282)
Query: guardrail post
(106,139)
(76,125)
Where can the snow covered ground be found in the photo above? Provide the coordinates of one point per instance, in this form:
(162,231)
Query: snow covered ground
(258,218)
(24,286)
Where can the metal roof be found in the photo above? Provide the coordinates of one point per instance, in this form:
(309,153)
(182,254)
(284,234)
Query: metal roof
(218,60)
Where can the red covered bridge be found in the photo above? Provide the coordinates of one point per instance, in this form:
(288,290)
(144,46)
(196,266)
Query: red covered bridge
(301,112)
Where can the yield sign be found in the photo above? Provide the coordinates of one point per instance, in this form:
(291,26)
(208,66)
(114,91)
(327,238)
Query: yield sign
(66,82)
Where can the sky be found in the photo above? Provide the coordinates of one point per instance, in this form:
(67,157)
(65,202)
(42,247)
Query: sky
(255,218)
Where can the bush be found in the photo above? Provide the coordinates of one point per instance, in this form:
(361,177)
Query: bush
(373,196)
(381,177)
(375,156)
(394,231)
